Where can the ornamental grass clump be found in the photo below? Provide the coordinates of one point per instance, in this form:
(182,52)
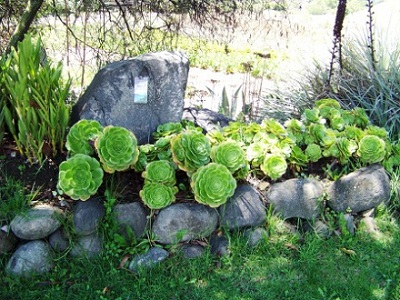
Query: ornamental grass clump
(80,177)
(117,149)
(190,150)
(213,184)
(81,135)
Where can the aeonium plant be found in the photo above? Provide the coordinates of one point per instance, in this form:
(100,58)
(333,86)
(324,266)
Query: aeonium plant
(157,195)
(274,166)
(371,149)
(190,150)
(213,184)
(117,148)
(81,134)
(160,171)
(230,154)
(80,177)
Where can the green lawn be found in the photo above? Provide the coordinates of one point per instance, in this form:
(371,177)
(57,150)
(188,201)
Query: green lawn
(284,266)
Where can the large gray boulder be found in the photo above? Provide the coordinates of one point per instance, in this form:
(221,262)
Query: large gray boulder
(360,190)
(296,198)
(117,94)
(87,215)
(130,217)
(37,223)
(34,257)
(184,221)
(243,209)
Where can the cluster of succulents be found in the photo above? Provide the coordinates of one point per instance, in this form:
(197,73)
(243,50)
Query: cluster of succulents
(81,175)
(159,187)
(215,161)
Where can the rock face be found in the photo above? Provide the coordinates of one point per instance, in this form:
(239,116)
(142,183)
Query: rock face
(184,221)
(88,215)
(296,198)
(34,257)
(138,94)
(360,190)
(130,217)
(244,209)
(37,223)
(205,118)
(8,240)
(87,246)
(154,256)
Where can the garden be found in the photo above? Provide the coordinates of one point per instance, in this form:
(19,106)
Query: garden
(340,122)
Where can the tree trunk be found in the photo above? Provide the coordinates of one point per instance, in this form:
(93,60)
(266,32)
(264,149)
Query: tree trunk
(26,20)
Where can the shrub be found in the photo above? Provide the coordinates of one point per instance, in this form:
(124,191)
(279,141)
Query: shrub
(34,101)
(80,177)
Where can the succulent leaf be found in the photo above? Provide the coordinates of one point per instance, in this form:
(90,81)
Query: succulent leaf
(229,154)
(160,171)
(274,166)
(157,195)
(371,149)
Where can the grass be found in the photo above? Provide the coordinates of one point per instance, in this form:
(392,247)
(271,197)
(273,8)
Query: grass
(285,265)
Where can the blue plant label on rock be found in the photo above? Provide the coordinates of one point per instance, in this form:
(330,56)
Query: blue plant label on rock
(140,89)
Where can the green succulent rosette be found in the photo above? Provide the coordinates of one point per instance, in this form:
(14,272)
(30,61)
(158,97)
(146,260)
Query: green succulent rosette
(298,157)
(371,149)
(230,154)
(213,184)
(117,149)
(80,135)
(274,166)
(324,106)
(313,152)
(273,126)
(157,195)
(167,129)
(160,171)
(190,150)
(80,177)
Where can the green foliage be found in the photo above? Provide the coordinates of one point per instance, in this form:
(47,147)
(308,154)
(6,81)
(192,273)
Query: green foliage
(157,195)
(81,134)
(313,152)
(80,176)
(213,184)
(33,101)
(117,149)
(190,150)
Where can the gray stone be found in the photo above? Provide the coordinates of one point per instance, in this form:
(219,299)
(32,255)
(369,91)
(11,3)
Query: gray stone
(130,217)
(296,198)
(34,257)
(87,246)
(243,209)
(8,240)
(321,229)
(192,251)
(153,257)
(58,240)
(255,236)
(184,221)
(87,215)
(219,245)
(37,223)
(110,98)
(205,118)
(360,190)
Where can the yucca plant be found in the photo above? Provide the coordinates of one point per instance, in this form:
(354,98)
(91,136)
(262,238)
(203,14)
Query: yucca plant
(35,108)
